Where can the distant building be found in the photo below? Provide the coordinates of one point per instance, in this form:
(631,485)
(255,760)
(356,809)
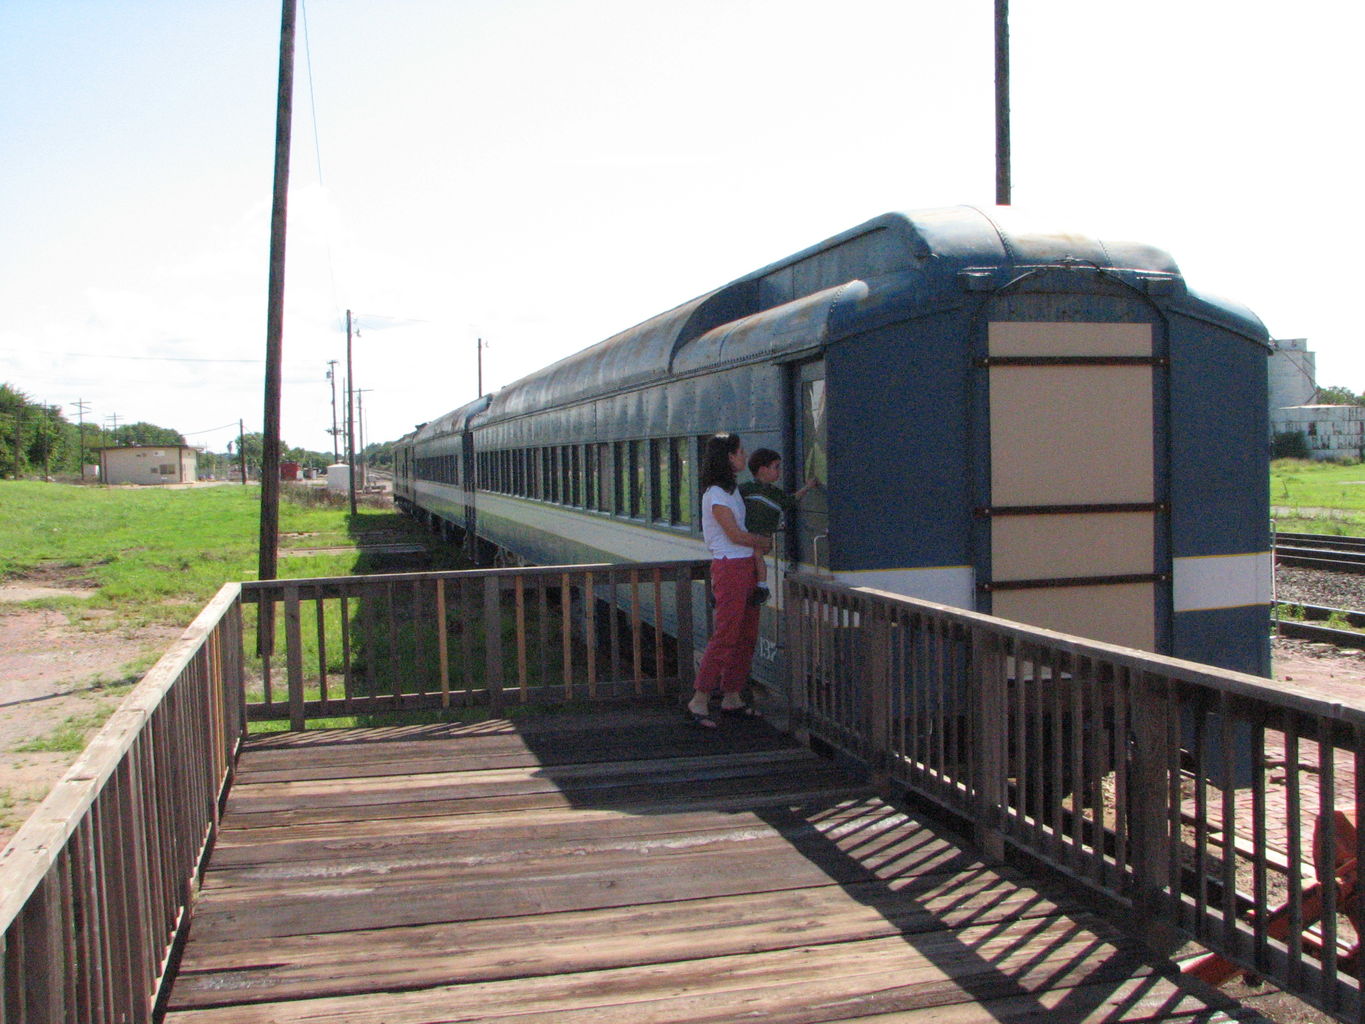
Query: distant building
(1332,431)
(148,464)
(1293,374)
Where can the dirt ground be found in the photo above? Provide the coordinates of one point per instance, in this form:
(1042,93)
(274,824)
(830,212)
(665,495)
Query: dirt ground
(60,673)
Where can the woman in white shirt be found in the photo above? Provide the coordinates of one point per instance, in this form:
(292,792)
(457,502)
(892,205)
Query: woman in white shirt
(727,658)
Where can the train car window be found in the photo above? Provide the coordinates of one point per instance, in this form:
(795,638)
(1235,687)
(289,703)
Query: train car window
(681,471)
(599,469)
(660,482)
(576,475)
(546,475)
(589,477)
(635,480)
(618,478)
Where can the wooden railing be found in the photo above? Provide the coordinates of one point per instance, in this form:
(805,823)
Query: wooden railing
(360,644)
(94,886)
(1180,792)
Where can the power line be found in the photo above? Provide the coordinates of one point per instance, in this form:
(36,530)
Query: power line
(196,433)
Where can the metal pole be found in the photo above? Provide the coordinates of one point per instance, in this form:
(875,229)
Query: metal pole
(241,448)
(1002,103)
(332,376)
(480,348)
(274,335)
(350,412)
(80,404)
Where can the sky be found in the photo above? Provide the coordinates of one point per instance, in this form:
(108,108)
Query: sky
(542,175)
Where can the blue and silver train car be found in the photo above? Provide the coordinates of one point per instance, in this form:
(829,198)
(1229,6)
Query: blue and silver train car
(1044,427)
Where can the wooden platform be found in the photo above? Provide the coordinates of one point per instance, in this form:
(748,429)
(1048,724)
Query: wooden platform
(622,868)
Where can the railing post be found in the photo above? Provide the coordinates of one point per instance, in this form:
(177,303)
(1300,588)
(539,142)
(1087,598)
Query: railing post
(1148,790)
(990,708)
(794,659)
(683,602)
(492,631)
(293,642)
(877,686)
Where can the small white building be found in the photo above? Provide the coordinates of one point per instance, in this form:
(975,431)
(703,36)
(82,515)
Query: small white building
(1333,431)
(149,464)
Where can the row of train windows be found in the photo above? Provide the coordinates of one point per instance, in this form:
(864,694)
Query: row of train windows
(653,480)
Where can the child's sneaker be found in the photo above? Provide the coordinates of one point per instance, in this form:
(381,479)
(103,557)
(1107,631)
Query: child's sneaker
(759,595)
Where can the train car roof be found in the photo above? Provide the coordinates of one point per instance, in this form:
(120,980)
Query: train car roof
(757,315)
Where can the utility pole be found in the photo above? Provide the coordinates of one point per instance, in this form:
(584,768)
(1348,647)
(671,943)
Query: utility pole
(274,334)
(241,448)
(360,430)
(82,407)
(350,412)
(480,350)
(332,377)
(113,433)
(47,443)
(1002,103)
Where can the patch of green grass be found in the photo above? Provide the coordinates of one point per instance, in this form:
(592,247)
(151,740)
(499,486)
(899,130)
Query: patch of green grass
(70,736)
(1318,497)
(158,555)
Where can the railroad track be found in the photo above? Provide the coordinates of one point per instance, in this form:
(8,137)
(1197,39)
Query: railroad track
(1307,629)
(1319,551)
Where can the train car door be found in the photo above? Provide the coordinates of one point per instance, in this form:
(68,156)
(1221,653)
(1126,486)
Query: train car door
(1074,513)
(810,458)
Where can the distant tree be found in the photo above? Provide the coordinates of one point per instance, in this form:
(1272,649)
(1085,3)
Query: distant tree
(13,412)
(1290,444)
(380,454)
(1339,396)
(146,434)
(255,450)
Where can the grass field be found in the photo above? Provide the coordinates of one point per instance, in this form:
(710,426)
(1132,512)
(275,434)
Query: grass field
(1318,497)
(158,555)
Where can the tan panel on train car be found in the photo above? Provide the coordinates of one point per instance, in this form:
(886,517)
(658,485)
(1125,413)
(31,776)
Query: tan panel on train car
(1117,614)
(1070,435)
(1073,434)
(1063,547)
(1021,338)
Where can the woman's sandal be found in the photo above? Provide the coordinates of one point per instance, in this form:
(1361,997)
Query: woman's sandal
(699,719)
(742,711)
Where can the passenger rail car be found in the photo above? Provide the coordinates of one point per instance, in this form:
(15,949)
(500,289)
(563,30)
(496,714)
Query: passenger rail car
(1043,427)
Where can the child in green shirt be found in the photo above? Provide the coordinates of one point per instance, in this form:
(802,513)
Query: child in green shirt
(765,504)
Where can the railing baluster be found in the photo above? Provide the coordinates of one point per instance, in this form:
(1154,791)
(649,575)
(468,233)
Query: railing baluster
(492,630)
(590,631)
(656,577)
(294,657)
(442,643)
(636,635)
(566,633)
(1294,824)
(522,682)
(320,617)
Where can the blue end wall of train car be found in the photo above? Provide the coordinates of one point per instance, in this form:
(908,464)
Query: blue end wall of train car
(901,388)
(1232,638)
(1220,500)
(1220,440)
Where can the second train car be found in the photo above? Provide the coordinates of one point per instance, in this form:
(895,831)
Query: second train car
(1040,426)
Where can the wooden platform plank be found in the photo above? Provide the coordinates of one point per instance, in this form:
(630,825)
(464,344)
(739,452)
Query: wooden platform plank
(295,967)
(575,871)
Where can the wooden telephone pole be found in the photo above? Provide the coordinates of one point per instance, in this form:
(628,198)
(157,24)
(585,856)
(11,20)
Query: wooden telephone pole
(1002,102)
(274,335)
